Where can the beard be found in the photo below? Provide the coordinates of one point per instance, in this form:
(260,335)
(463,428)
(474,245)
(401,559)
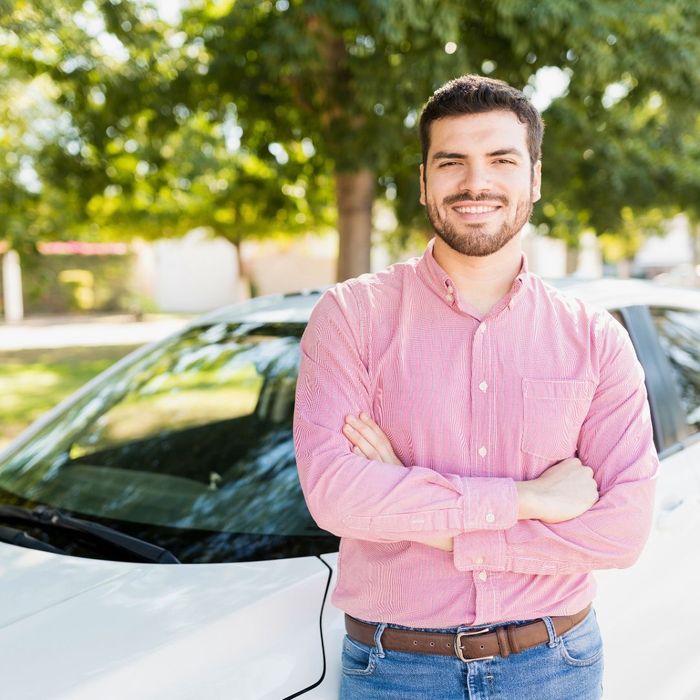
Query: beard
(471,240)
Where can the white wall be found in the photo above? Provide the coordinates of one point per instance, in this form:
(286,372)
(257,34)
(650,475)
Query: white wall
(12,287)
(194,274)
(281,266)
(675,248)
(545,256)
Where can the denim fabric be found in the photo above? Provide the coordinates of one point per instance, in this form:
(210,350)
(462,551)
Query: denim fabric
(569,667)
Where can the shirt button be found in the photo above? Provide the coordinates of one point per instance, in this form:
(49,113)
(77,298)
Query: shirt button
(483,386)
(490,517)
(482,328)
(482,575)
(449,297)
(479,560)
(482,451)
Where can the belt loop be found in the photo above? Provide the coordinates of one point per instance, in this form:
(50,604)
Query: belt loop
(551,631)
(377,639)
(503,645)
(512,639)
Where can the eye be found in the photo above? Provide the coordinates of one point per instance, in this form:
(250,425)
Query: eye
(448,163)
(506,161)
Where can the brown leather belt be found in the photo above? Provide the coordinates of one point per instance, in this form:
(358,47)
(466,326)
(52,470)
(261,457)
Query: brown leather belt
(471,645)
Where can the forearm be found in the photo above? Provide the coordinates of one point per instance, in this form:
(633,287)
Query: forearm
(616,441)
(609,535)
(351,496)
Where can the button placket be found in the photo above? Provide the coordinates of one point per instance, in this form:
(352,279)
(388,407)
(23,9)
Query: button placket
(481,397)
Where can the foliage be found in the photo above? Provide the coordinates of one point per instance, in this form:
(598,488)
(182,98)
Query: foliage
(66,283)
(124,149)
(238,116)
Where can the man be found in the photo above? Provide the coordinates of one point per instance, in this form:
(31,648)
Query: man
(480,442)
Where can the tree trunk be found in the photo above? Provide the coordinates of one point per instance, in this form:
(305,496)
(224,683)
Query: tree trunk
(354,196)
(244,283)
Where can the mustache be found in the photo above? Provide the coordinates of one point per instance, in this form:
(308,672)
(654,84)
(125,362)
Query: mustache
(483,197)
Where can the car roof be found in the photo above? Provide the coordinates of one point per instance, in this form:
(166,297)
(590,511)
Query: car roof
(614,293)
(606,292)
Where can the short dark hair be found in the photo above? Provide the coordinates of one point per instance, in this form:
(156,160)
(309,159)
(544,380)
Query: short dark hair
(473,94)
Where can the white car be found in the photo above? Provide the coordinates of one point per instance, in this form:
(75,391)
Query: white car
(182,452)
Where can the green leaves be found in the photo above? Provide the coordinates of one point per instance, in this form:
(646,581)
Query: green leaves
(238,117)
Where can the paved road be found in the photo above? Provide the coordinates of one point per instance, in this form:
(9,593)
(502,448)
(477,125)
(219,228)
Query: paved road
(72,331)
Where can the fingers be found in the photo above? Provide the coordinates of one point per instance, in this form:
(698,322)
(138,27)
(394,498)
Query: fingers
(367,435)
(358,439)
(364,433)
(372,428)
(369,430)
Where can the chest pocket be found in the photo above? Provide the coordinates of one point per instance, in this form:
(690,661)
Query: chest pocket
(554,411)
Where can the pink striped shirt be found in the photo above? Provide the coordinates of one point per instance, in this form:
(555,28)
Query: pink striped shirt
(471,403)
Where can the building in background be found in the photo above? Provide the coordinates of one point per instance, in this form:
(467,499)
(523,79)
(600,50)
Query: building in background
(669,259)
(197,272)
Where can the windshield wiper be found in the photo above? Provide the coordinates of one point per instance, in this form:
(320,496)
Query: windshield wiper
(46,517)
(12,535)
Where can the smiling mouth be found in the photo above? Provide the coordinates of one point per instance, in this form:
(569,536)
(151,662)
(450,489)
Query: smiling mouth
(475,209)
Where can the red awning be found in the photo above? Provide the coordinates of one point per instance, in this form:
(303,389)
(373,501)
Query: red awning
(77,248)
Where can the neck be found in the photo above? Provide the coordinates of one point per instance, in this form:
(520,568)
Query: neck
(481,281)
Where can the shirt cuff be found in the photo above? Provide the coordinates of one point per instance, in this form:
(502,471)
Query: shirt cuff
(489,504)
(483,551)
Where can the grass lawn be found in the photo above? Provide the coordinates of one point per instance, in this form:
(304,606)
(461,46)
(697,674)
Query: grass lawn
(33,381)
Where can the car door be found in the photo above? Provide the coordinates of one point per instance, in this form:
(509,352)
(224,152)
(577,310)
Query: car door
(649,613)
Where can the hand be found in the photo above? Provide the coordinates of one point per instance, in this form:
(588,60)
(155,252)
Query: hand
(370,441)
(564,491)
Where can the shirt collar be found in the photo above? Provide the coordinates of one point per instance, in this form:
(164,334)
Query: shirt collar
(439,281)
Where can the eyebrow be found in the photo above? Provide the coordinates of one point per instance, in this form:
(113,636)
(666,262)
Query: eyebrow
(442,155)
(507,152)
(446,155)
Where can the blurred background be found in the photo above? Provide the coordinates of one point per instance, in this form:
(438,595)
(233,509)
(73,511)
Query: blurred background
(163,158)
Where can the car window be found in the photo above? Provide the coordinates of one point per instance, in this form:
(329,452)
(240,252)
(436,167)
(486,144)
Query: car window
(679,334)
(190,447)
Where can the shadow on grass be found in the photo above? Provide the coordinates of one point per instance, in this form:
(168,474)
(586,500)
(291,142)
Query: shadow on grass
(34,381)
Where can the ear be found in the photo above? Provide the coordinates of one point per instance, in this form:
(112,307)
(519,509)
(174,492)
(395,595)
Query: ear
(422,184)
(536,181)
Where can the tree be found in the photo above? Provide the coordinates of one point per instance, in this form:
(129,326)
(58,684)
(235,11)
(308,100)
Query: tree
(352,77)
(250,114)
(126,154)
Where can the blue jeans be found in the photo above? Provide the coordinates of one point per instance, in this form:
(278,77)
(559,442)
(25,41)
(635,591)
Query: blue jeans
(569,667)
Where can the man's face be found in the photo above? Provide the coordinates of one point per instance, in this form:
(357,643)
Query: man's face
(478,184)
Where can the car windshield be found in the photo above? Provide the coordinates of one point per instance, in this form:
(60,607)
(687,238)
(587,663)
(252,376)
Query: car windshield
(188,446)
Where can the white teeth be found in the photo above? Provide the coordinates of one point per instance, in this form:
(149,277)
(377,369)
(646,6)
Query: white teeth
(474,210)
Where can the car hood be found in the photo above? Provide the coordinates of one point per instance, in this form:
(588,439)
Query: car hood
(83,628)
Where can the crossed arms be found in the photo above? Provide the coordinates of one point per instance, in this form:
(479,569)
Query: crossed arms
(574,518)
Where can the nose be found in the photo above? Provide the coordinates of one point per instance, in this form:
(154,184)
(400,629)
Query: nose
(475,179)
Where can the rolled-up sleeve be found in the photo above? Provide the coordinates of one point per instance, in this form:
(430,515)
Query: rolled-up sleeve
(355,497)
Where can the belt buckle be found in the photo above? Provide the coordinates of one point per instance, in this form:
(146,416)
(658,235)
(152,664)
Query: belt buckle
(458,644)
